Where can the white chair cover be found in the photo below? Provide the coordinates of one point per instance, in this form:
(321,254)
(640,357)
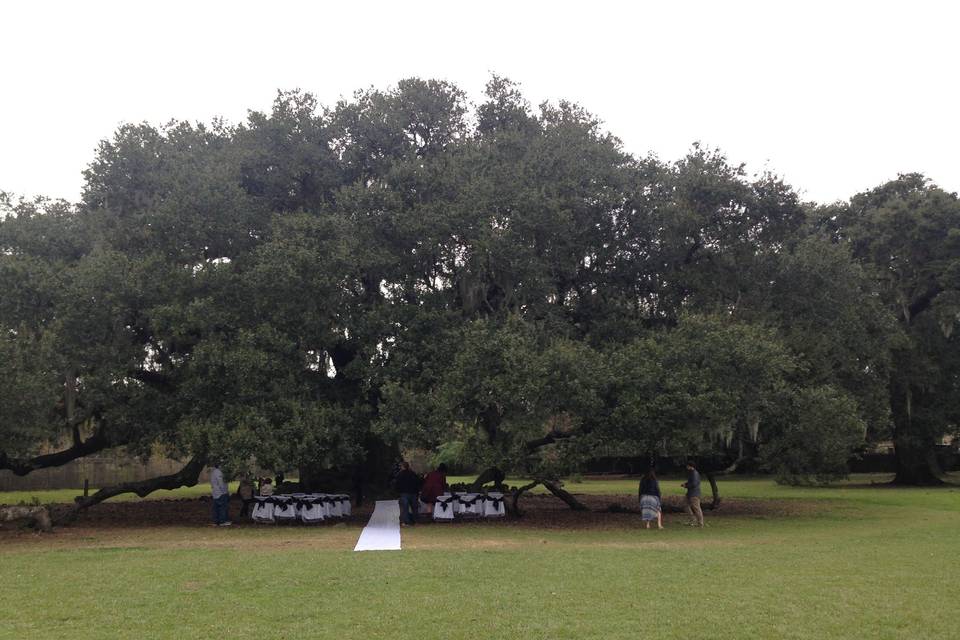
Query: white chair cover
(325,507)
(311,509)
(471,505)
(444,509)
(285,508)
(336,507)
(306,507)
(425,508)
(493,506)
(262,510)
(344,504)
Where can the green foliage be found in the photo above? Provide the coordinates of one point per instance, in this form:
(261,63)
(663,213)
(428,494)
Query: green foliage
(908,232)
(317,285)
(698,387)
(829,314)
(819,430)
(455,454)
(28,392)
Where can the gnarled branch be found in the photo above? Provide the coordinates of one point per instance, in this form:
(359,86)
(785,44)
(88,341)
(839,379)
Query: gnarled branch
(491,474)
(563,494)
(186,477)
(21,467)
(514,505)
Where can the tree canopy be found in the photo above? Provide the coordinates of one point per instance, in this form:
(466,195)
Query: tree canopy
(320,286)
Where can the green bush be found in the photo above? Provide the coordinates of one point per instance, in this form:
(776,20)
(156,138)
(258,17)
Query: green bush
(455,455)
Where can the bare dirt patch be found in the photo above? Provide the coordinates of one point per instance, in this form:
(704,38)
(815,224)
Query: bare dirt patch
(619,512)
(183,524)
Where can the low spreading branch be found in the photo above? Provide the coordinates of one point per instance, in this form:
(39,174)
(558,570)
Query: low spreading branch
(491,474)
(514,505)
(563,494)
(186,477)
(21,467)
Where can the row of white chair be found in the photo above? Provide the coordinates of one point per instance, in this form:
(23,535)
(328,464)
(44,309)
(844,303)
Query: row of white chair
(304,507)
(467,505)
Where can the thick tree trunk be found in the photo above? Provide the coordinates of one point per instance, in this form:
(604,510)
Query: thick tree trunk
(715,490)
(566,496)
(915,456)
(186,477)
(368,477)
(916,463)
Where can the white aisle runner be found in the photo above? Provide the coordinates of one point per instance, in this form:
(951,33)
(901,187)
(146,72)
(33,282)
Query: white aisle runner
(382,533)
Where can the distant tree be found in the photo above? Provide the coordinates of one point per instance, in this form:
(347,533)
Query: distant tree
(907,232)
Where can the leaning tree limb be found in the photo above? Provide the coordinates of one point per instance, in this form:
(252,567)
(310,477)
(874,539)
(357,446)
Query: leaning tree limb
(186,477)
(514,505)
(22,466)
(715,490)
(563,494)
(491,474)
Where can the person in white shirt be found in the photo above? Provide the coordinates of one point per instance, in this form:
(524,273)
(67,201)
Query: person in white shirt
(221,497)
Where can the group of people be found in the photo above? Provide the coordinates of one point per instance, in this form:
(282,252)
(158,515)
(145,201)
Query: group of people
(413,489)
(220,491)
(650,499)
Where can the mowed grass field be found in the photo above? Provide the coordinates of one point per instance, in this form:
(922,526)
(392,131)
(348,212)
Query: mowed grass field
(46,496)
(851,561)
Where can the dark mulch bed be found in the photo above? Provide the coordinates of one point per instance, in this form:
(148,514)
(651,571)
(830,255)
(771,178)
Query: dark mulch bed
(183,512)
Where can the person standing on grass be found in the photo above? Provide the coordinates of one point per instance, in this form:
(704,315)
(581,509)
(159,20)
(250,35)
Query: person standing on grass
(692,485)
(434,484)
(221,497)
(408,486)
(650,499)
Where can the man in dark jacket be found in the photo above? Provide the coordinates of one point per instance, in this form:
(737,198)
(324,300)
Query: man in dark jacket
(408,486)
(692,486)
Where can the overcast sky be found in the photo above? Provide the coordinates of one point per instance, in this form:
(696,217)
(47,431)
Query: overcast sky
(836,97)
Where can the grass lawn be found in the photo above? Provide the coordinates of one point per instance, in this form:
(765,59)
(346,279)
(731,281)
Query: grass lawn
(45,496)
(854,562)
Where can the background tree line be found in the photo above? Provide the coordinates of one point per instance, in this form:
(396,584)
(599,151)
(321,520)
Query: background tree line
(320,286)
